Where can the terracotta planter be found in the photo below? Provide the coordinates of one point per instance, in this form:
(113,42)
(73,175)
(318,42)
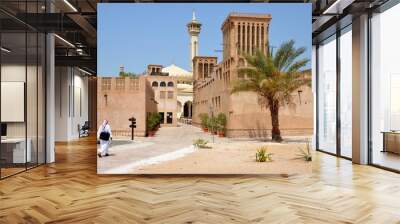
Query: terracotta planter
(221,134)
(151,133)
(205,129)
(214,132)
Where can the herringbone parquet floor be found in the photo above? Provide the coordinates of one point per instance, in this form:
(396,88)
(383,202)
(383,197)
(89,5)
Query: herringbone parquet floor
(70,191)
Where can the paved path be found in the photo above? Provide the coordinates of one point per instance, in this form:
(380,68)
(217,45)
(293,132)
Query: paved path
(169,141)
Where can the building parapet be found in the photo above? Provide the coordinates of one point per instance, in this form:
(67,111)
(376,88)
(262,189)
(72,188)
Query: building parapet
(132,84)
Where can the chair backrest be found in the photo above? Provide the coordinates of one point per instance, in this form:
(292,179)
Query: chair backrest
(86,125)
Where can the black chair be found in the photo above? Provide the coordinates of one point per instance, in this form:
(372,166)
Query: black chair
(84,130)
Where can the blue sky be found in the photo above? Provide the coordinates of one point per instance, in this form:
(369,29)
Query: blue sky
(135,35)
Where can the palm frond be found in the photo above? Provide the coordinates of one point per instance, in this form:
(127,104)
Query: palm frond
(294,54)
(283,53)
(243,86)
(250,72)
(275,77)
(296,66)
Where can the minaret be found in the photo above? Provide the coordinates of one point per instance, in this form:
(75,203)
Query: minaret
(194,31)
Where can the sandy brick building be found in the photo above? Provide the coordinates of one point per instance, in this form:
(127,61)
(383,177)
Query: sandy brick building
(165,94)
(184,84)
(213,83)
(119,98)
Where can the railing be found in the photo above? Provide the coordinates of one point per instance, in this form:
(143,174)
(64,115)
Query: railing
(185,120)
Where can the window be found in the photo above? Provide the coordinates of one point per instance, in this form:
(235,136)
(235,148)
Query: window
(154,84)
(248,38)
(346,93)
(385,89)
(327,95)
(169,117)
(243,49)
(162,84)
(238,37)
(252,38)
(170,94)
(200,70)
(22,100)
(258,37)
(262,38)
(334,108)
(162,121)
(162,94)
(206,70)
(170,84)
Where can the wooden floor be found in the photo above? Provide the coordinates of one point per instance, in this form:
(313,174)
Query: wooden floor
(70,191)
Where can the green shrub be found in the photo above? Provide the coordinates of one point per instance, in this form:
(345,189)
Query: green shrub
(204,120)
(212,123)
(128,74)
(201,143)
(221,122)
(153,119)
(306,154)
(262,155)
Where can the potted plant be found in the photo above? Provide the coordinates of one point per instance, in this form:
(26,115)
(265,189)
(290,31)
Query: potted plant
(150,126)
(204,121)
(213,125)
(153,121)
(221,124)
(157,120)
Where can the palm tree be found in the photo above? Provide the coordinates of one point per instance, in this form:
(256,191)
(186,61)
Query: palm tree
(274,78)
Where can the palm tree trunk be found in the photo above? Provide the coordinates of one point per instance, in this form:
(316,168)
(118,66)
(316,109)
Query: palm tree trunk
(274,109)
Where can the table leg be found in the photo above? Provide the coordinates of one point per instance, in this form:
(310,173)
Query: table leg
(384,142)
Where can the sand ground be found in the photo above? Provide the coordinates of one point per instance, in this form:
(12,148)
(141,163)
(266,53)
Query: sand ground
(234,158)
(171,151)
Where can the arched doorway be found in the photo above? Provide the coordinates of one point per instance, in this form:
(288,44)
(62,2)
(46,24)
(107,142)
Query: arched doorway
(179,109)
(187,109)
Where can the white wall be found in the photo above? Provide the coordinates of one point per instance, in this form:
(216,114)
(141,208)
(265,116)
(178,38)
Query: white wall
(61,103)
(11,73)
(71,87)
(33,125)
(79,115)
